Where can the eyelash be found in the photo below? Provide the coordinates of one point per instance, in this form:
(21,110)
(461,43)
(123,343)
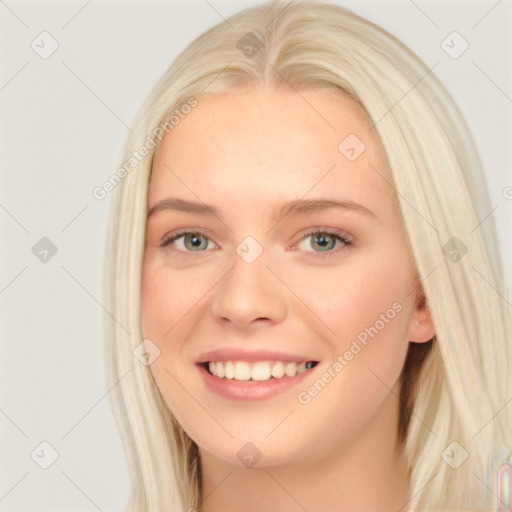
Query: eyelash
(326,231)
(169,239)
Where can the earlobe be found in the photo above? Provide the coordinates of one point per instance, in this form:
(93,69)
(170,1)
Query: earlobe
(421,328)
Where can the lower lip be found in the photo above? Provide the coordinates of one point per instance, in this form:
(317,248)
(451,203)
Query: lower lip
(250,390)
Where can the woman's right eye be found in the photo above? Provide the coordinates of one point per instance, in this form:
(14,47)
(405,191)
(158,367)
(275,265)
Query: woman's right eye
(188,241)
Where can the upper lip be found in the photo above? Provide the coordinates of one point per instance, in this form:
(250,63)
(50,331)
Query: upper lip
(239,354)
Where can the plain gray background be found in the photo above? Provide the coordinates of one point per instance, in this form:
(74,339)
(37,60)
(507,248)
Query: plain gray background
(63,122)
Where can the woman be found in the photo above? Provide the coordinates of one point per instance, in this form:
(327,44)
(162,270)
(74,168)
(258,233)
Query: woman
(304,315)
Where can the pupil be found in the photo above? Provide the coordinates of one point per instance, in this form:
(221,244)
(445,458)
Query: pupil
(322,241)
(195,240)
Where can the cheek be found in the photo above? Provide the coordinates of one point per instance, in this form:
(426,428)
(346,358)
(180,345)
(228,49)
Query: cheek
(370,288)
(369,313)
(166,305)
(367,306)
(173,304)
(166,297)
(153,302)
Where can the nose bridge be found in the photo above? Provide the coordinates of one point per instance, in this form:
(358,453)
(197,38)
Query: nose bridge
(250,291)
(250,263)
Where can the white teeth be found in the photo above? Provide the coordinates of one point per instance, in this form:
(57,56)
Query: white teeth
(219,370)
(258,371)
(261,371)
(278,370)
(290,369)
(242,370)
(301,367)
(229,368)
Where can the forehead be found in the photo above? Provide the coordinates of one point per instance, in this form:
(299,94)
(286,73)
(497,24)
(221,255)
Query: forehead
(259,145)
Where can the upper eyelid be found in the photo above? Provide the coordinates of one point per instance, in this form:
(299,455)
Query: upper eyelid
(173,236)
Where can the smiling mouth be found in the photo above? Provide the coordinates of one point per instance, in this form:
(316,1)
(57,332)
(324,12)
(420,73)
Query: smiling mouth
(257,371)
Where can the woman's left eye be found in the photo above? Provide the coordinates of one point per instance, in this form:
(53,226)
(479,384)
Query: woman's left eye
(325,241)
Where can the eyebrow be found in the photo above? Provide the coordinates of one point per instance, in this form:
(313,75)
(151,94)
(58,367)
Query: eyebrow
(289,208)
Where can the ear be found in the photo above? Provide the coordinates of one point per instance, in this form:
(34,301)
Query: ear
(421,327)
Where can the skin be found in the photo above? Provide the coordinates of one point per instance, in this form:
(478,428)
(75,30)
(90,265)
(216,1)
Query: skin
(246,152)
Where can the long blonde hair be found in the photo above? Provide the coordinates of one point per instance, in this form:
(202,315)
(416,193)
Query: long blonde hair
(454,389)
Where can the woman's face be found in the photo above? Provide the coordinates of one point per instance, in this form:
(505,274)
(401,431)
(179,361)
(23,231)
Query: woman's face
(234,274)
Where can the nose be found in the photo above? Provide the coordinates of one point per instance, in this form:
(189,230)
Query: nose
(250,294)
